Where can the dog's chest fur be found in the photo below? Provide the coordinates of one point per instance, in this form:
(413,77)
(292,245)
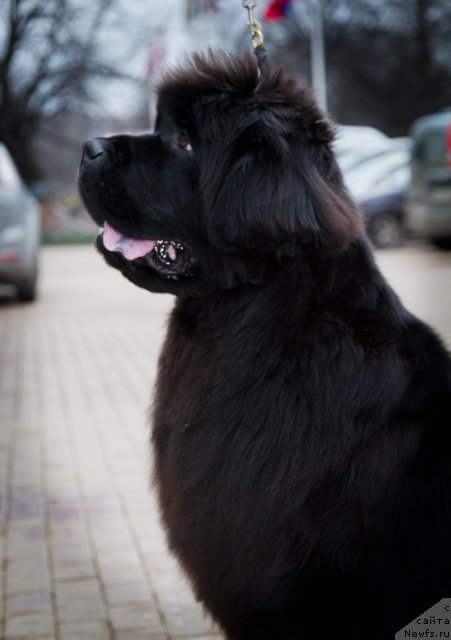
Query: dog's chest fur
(267,427)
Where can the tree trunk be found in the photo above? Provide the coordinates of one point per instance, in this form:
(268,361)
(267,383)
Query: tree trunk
(18,143)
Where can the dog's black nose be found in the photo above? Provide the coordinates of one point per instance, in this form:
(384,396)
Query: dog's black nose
(93,149)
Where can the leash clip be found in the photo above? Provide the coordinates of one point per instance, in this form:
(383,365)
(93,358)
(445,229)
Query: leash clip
(257,38)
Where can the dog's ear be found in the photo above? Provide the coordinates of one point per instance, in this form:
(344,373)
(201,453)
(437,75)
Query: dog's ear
(269,190)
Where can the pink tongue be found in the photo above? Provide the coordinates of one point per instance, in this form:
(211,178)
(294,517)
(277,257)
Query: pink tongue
(129,247)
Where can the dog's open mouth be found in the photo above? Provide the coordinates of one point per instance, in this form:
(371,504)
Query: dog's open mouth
(170,258)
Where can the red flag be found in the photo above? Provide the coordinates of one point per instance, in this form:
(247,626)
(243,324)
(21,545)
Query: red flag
(277,9)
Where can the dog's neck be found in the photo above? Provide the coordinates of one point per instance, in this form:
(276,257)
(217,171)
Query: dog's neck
(304,284)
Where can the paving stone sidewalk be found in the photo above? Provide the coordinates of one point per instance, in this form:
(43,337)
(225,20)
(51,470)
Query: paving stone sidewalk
(82,553)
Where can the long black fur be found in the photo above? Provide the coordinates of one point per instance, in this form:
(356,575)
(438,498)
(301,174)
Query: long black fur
(301,428)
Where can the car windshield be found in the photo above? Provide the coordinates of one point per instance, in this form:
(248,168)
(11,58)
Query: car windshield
(384,172)
(354,144)
(353,157)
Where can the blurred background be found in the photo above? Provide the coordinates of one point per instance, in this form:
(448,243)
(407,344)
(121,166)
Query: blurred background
(73,69)
(82,555)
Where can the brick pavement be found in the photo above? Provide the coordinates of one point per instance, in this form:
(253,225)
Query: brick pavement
(83,556)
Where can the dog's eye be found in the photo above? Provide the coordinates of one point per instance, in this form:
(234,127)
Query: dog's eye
(183,143)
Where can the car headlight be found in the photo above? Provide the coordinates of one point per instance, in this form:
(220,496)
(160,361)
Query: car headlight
(12,234)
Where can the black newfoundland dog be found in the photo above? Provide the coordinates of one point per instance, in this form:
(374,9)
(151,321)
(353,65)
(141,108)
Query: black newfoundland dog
(302,424)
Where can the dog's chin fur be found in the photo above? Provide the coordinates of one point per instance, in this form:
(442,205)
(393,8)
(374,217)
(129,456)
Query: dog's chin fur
(302,416)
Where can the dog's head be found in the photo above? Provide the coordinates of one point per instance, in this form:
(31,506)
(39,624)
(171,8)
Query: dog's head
(238,174)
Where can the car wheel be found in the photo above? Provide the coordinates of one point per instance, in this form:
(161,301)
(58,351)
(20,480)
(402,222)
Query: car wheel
(443,243)
(27,289)
(385,231)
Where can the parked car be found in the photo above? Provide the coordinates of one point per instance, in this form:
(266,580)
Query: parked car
(384,217)
(428,210)
(356,143)
(379,185)
(19,231)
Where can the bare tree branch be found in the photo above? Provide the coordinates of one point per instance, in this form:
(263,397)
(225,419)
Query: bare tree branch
(50,60)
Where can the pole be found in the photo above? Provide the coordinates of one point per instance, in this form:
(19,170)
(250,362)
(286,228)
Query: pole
(317,53)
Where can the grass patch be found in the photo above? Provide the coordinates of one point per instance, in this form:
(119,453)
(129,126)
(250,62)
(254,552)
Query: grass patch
(67,236)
